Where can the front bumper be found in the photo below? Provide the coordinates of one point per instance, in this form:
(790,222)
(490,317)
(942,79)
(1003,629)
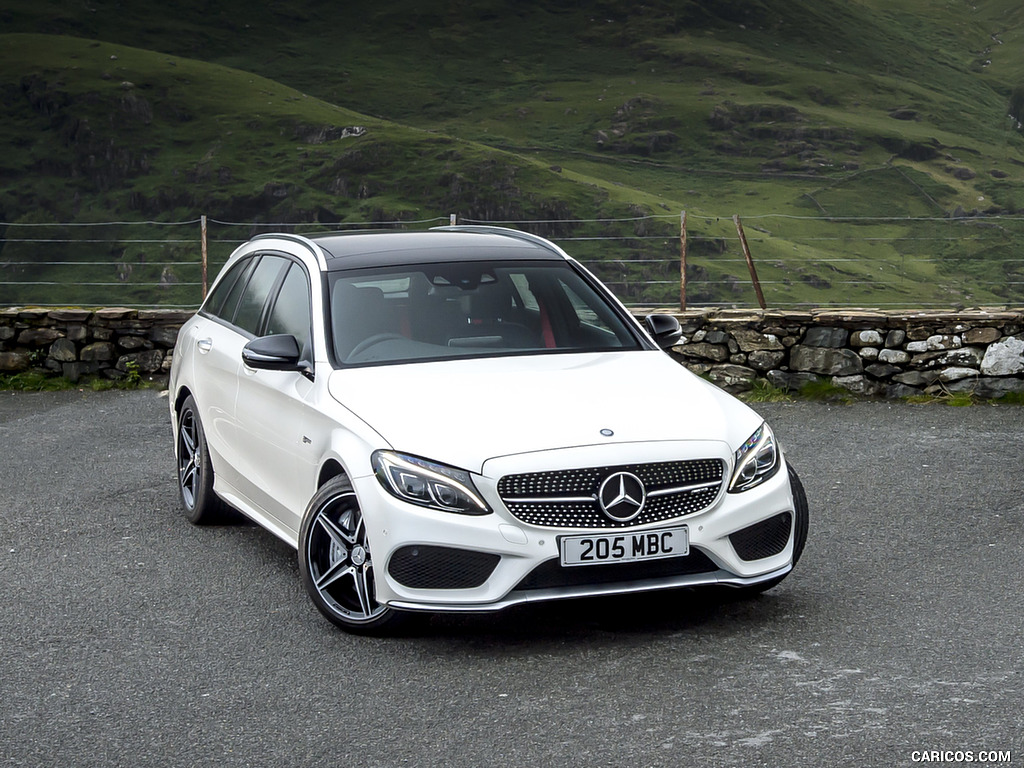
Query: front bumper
(436,561)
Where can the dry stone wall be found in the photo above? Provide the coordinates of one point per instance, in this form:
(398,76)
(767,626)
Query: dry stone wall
(877,354)
(111,343)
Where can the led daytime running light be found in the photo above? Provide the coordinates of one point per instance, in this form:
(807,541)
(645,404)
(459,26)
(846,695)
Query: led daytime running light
(756,460)
(428,484)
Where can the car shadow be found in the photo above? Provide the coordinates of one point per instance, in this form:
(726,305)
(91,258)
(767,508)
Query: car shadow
(608,620)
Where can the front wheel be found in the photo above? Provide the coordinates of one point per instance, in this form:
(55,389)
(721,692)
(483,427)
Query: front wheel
(335,562)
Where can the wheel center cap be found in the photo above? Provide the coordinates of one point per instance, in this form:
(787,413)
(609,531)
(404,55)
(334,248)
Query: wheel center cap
(358,556)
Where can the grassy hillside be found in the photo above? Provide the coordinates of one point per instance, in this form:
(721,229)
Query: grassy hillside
(796,115)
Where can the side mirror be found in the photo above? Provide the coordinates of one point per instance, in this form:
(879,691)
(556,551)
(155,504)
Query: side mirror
(273,353)
(665,329)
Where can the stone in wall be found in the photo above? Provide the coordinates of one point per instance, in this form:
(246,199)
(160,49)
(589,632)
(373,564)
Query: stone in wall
(825,360)
(1004,358)
(14,361)
(859,385)
(765,359)
(792,382)
(866,339)
(981,336)
(826,337)
(705,350)
(100,351)
(63,351)
(882,370)
(987,387)
(38,337)
(957,374)
(733,378)
(895,338)
(749,340)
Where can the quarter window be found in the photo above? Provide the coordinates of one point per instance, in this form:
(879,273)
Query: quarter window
(224,297)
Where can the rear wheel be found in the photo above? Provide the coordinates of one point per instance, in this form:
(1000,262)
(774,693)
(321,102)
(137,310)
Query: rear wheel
(337,567)
(195,471)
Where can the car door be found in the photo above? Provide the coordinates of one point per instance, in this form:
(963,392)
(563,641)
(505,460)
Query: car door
(276,414)
(209,347)
(230,323)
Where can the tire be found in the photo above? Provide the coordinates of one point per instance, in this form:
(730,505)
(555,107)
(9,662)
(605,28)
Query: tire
(336,565)
(199,503)
(801,520)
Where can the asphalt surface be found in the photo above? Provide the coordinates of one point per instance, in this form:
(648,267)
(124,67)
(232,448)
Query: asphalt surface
(130,638)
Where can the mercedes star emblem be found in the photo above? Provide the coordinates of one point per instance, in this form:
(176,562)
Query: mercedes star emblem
(622,496)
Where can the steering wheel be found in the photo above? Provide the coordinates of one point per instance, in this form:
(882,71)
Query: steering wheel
(371,341)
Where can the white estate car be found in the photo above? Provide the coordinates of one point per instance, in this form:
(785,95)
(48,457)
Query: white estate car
(465,419)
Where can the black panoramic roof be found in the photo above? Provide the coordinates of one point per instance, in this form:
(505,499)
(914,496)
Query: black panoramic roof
(357,250)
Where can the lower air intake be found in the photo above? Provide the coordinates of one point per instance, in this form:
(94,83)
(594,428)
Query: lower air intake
(764,539)
(431,567)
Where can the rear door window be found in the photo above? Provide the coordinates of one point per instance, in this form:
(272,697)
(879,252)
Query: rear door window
(254,297)
(291,312)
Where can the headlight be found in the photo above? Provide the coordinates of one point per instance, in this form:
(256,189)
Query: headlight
(428,484)
(756,460)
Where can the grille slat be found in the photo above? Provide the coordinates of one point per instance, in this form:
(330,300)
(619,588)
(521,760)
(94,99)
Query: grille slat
(568,498)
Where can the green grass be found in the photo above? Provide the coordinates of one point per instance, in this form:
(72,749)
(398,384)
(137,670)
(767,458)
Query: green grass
(40,381)
(823,390)
(34,381)
(764,391)
(796,115)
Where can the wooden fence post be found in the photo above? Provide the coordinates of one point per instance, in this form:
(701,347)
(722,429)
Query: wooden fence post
(682,261)
(202,238)
(750,261)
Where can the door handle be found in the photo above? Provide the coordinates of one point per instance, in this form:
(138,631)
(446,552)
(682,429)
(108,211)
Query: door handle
(205,345)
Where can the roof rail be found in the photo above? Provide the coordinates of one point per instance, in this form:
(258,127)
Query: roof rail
(305,241)
(543,242)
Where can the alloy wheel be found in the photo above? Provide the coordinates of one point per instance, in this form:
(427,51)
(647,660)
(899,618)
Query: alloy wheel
(189,458)
(339,562)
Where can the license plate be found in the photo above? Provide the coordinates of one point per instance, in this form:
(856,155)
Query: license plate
(625,547)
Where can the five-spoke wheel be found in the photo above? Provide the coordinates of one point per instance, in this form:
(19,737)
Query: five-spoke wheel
(335,561)
(195,472)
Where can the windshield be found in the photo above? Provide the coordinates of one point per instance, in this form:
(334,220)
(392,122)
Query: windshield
(469,309)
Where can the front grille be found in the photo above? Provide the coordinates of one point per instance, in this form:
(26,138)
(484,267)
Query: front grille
(568,498)
(764,539)
(551,573)
(431,567)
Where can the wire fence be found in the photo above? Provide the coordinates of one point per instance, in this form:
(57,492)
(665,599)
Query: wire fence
(661,260)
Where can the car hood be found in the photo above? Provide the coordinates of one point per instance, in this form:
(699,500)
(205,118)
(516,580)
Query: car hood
(465,412)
